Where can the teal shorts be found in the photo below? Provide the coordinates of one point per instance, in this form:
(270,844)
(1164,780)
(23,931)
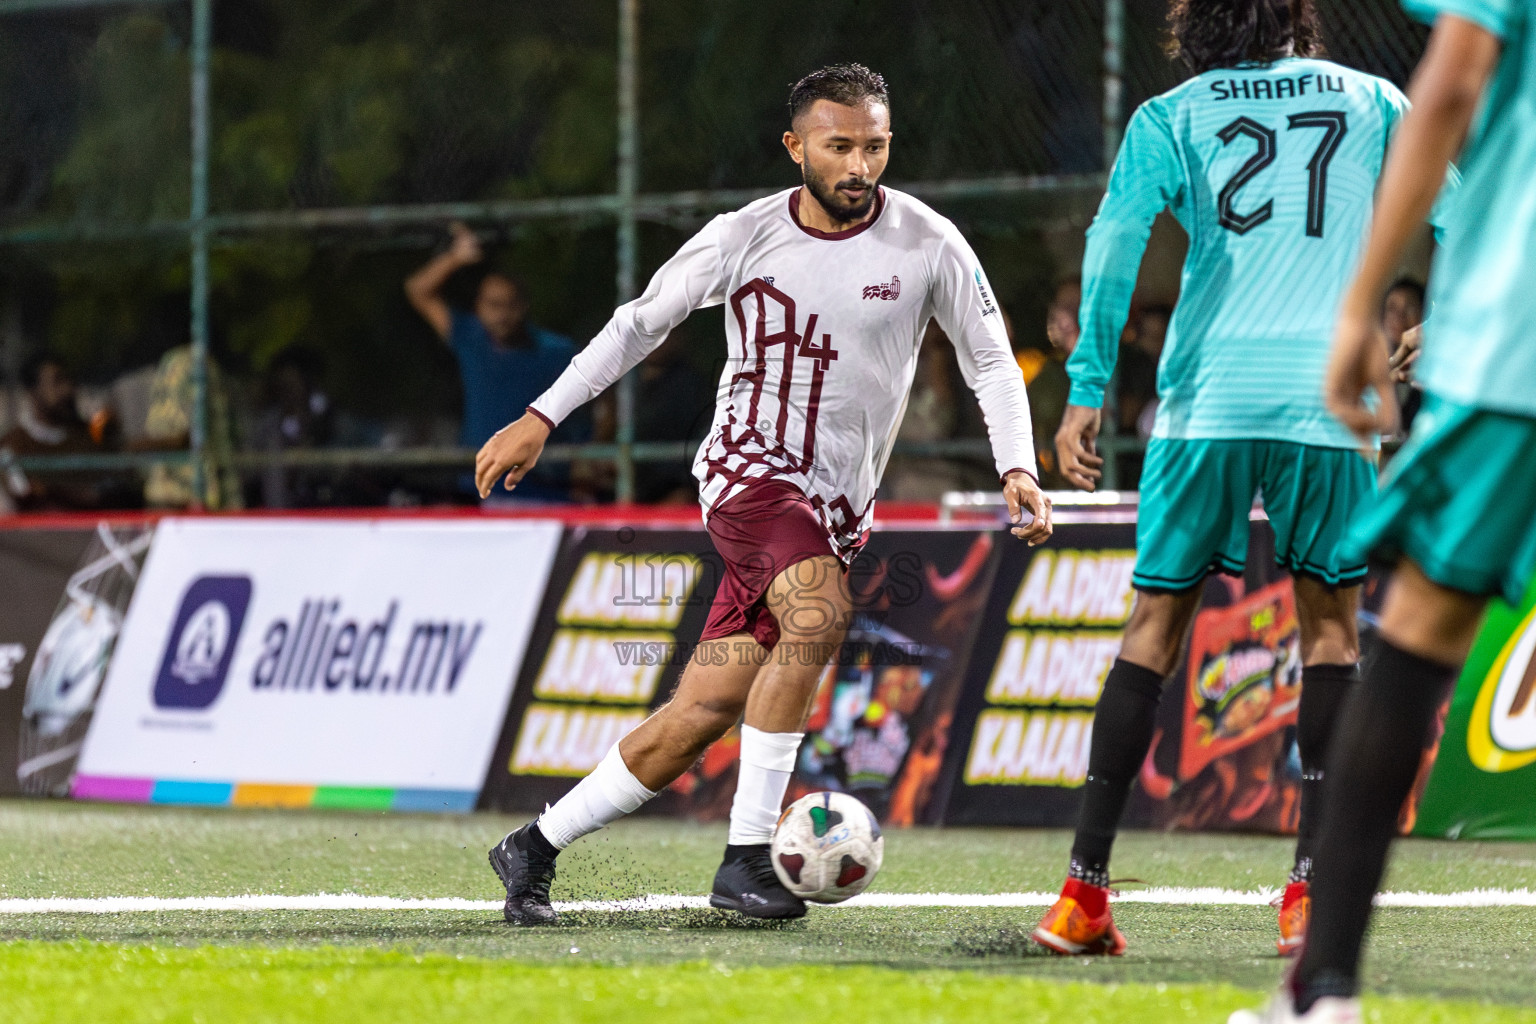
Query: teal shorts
(1196,497)
(1460,501)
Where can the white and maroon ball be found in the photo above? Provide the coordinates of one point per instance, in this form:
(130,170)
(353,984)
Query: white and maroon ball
(827,847)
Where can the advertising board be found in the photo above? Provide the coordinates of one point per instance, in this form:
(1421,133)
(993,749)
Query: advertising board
(1483,782)
(618,624)
(65,591)
(317,663)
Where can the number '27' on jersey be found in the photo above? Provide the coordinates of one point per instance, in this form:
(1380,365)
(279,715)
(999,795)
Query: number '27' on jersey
(1272,171)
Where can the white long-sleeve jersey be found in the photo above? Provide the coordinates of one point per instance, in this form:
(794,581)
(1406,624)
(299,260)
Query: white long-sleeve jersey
(822,336)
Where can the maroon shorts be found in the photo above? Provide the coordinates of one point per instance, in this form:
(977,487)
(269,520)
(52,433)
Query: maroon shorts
(759,533)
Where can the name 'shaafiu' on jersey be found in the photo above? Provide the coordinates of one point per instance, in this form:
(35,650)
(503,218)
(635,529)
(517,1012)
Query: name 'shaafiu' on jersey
(1272,171)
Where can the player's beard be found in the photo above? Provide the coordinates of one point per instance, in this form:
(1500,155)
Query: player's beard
(837,207)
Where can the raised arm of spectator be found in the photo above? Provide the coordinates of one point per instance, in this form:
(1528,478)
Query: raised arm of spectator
(692,279)
(1447,91)
(424,288)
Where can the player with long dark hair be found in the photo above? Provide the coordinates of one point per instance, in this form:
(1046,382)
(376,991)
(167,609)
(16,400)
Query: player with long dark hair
(1269,158)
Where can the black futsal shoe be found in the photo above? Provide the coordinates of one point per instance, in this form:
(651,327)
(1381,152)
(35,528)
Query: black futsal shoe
(747,884)
(525,863)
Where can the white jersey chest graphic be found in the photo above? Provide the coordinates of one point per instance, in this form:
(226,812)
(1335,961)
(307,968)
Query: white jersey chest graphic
(822,337)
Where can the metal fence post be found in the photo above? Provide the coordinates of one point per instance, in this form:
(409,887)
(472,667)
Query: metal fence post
(1112,118)
(202,41)
(1114,67)
(629,229)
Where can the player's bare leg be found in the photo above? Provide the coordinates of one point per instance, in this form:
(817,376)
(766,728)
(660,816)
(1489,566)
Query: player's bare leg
(708,701)
(1123,722)
(1330,655)
(710,698)
(811,603)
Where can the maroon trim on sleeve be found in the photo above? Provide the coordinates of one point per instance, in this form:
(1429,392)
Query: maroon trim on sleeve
(1019,469)
(547,421)
(836,236)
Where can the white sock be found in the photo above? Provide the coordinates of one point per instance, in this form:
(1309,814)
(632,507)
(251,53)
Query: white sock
(767,761)
(603,797)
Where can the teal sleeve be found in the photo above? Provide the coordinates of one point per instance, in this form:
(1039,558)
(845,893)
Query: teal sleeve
(1440,215)
(1147,177)
(1497,16)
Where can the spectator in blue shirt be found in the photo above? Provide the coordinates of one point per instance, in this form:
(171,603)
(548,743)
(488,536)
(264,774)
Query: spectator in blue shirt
(505,362)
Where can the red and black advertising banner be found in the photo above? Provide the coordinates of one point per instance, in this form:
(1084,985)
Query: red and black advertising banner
(1224,752)
(64,596)
(619,619)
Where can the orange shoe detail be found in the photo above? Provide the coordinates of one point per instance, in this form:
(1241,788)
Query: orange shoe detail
(1295,912)
(1070,928)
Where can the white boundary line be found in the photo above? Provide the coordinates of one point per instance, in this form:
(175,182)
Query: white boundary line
(328,901)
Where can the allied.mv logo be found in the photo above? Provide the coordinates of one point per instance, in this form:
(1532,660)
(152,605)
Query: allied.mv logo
(202,642)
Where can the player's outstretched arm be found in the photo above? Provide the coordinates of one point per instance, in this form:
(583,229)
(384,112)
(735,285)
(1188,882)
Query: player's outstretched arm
(1147,177)
(963,306)
(1446,92)
(510,453)
(1077,446)
(1024,496)
(690,280)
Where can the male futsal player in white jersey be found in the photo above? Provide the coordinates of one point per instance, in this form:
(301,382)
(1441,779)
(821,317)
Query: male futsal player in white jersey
(829,287)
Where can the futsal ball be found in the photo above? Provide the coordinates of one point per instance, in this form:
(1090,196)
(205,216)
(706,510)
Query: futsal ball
(827,847)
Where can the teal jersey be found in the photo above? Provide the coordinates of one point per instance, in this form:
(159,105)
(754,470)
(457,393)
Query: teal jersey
(1480,344)
(1272,171)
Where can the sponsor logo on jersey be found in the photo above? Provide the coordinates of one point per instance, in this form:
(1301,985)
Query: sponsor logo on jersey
(987,306)
(888,292)
(201,642)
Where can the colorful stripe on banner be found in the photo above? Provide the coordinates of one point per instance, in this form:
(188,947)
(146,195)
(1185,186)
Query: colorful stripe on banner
(268,794)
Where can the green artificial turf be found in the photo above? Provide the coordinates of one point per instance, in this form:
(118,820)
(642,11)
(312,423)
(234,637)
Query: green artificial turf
(897,963)
(47,983)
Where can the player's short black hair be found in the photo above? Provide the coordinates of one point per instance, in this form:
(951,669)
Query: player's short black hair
(845,84)
(1209,34)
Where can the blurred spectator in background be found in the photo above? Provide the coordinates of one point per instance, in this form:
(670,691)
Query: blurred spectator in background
(48,422)
(168,427)
(1138,392)
(1133,397)
(295,413)
(1045,376)
(673,402)
(505,362)
(1152,329)
(932,415)
(1401,312)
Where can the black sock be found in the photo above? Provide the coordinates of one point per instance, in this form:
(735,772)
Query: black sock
(1323,689)
(539,845)
(1122,734)
(1371,767)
